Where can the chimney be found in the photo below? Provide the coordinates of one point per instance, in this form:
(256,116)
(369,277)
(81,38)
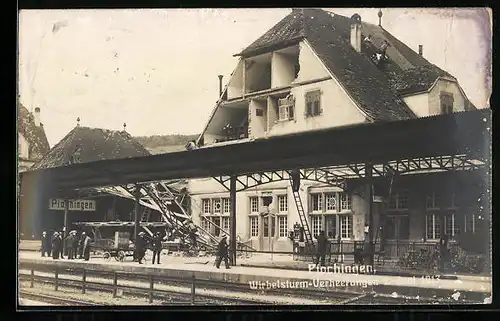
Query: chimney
(220,85)
(421,50)
(36,115)
(356,32)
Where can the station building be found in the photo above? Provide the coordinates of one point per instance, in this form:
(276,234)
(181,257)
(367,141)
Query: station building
(314,70)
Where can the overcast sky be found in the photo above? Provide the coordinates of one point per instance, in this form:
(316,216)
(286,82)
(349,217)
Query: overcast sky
(156,70)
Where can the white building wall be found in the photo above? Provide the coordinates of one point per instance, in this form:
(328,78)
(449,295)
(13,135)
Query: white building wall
(257,124)
(449,87)
(338,110)
(23,147)
(419,104)
(235,86)
(282,70)
(311,67)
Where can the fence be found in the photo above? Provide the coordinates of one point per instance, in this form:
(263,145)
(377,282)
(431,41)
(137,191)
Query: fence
(84,284)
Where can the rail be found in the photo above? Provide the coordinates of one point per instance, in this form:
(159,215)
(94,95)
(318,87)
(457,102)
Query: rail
(190,286)
(151,292)
(79,278)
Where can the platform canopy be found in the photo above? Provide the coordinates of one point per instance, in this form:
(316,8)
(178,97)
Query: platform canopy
(460,133)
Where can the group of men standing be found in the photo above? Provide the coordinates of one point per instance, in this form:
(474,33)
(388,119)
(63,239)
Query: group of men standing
(75,246)
(143,242)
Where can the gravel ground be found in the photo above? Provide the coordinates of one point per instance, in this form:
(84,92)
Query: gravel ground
(96,297)
(254,295)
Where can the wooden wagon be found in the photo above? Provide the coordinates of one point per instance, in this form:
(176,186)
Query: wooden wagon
(116,241)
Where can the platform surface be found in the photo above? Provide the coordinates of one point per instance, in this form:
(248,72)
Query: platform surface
(203,268)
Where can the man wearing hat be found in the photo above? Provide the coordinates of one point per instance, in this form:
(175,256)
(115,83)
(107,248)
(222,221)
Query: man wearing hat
(222,253)
(69,244)
(46,244)
(156,247)
(140,247)
(56,245)
(80,245)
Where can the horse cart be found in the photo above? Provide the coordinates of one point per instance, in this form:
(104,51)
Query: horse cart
(114,239)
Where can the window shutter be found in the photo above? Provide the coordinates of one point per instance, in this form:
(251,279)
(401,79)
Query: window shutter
(308,108)
(290,112)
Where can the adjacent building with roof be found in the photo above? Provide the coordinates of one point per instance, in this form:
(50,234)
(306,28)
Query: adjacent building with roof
(81,145)
(32,140)
(315,69)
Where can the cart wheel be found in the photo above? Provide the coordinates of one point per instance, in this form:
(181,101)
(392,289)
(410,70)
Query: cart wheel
(106,256)
(120,256)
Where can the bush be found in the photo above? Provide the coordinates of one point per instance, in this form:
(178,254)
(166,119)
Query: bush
(419,260)
(464,262)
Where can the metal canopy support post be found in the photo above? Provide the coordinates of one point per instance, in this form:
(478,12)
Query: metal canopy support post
(65,229)
(137,195)
(371,246)
(233,218)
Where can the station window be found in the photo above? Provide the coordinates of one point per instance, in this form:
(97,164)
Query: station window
(399,200)
(283,203)
(452,226)
(317,202)
(471,223)
(254,204)
(216,203)
(433,230)
(226,205)
(345,226)
(397,227)
(254,226)
(205,224)
(331,201)
(316,224)
(345,201)
(226,223)
(283,226)
(206,206)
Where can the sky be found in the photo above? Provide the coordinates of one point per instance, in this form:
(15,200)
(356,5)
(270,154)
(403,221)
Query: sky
(156,70)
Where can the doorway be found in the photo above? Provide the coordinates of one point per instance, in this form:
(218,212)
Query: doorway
(268,228)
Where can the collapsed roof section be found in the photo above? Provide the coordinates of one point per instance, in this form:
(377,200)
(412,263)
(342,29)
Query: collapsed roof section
(84,144)
(376,89)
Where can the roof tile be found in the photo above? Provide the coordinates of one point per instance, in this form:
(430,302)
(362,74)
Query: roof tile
(89,145)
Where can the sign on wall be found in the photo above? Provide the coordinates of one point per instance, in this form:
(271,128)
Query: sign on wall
(73,205)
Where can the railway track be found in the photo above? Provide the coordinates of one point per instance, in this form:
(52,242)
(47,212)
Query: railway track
(218,292)
(327,295)
(51,299)
(166,297)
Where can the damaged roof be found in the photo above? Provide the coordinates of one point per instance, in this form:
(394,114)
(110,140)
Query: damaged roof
(416,79)
(85,144)
(373,88)
(35,135)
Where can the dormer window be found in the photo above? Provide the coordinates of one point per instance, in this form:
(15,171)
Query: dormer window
(313,103)
(446,103)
